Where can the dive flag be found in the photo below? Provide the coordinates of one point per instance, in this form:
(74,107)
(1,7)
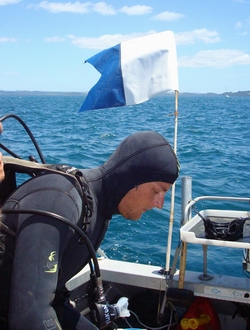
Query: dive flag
(134,71)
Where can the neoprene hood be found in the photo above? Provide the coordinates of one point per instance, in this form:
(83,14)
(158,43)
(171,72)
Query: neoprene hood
(142,157)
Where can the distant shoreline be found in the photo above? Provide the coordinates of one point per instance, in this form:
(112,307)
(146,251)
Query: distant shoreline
(39,93)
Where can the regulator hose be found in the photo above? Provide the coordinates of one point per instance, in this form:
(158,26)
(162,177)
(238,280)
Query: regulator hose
(96,271)
(30,135)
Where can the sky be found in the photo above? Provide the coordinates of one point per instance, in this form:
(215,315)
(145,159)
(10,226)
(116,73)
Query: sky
(44,44)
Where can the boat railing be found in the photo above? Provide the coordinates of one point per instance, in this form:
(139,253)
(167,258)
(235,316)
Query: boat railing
(188,202)
(190,226)
(188,208)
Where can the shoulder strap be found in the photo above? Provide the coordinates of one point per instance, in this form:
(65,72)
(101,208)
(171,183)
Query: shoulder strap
(32,168)
(36,169)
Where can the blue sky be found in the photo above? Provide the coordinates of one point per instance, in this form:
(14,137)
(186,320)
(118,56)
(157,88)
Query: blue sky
(43,44)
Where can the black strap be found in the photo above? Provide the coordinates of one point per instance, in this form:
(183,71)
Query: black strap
(227,231)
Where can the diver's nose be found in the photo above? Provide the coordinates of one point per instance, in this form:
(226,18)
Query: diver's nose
(159,200)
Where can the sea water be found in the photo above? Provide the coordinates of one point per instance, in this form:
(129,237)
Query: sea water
(212,145)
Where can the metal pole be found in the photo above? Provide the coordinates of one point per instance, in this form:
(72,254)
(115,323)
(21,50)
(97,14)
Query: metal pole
(205,276)
(186,197)
(171,220)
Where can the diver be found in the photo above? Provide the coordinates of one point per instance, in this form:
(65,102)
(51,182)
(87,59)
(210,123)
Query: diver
(39,254)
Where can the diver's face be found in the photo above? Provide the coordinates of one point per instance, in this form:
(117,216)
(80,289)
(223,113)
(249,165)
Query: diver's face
(142,198)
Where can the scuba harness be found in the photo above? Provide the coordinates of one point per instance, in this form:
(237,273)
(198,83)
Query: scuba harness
(33,169)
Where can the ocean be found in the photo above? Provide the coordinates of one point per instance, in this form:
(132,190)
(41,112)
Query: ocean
(212,146)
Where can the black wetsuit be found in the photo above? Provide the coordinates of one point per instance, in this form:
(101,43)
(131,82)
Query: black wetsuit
(45,253)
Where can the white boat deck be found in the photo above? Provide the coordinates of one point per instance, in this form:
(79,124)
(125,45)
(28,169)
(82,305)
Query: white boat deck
(220,287)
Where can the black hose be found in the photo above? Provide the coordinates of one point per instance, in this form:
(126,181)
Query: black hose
(70,224)
(28,131)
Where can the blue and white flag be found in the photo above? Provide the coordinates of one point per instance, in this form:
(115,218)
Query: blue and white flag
(134,71)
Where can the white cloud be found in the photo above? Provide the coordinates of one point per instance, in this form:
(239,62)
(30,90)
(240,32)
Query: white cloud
(75,7)
(244,33)
(182,38)
(59,7)
(168,16)
(136,10)
(104,41)
(8,2)
(190,37)
(239,25)
(219,58)
(243,25)
(54,39)
(103,8)
(4,39)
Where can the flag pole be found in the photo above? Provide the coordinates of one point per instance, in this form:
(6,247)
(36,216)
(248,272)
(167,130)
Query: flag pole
(171,219)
